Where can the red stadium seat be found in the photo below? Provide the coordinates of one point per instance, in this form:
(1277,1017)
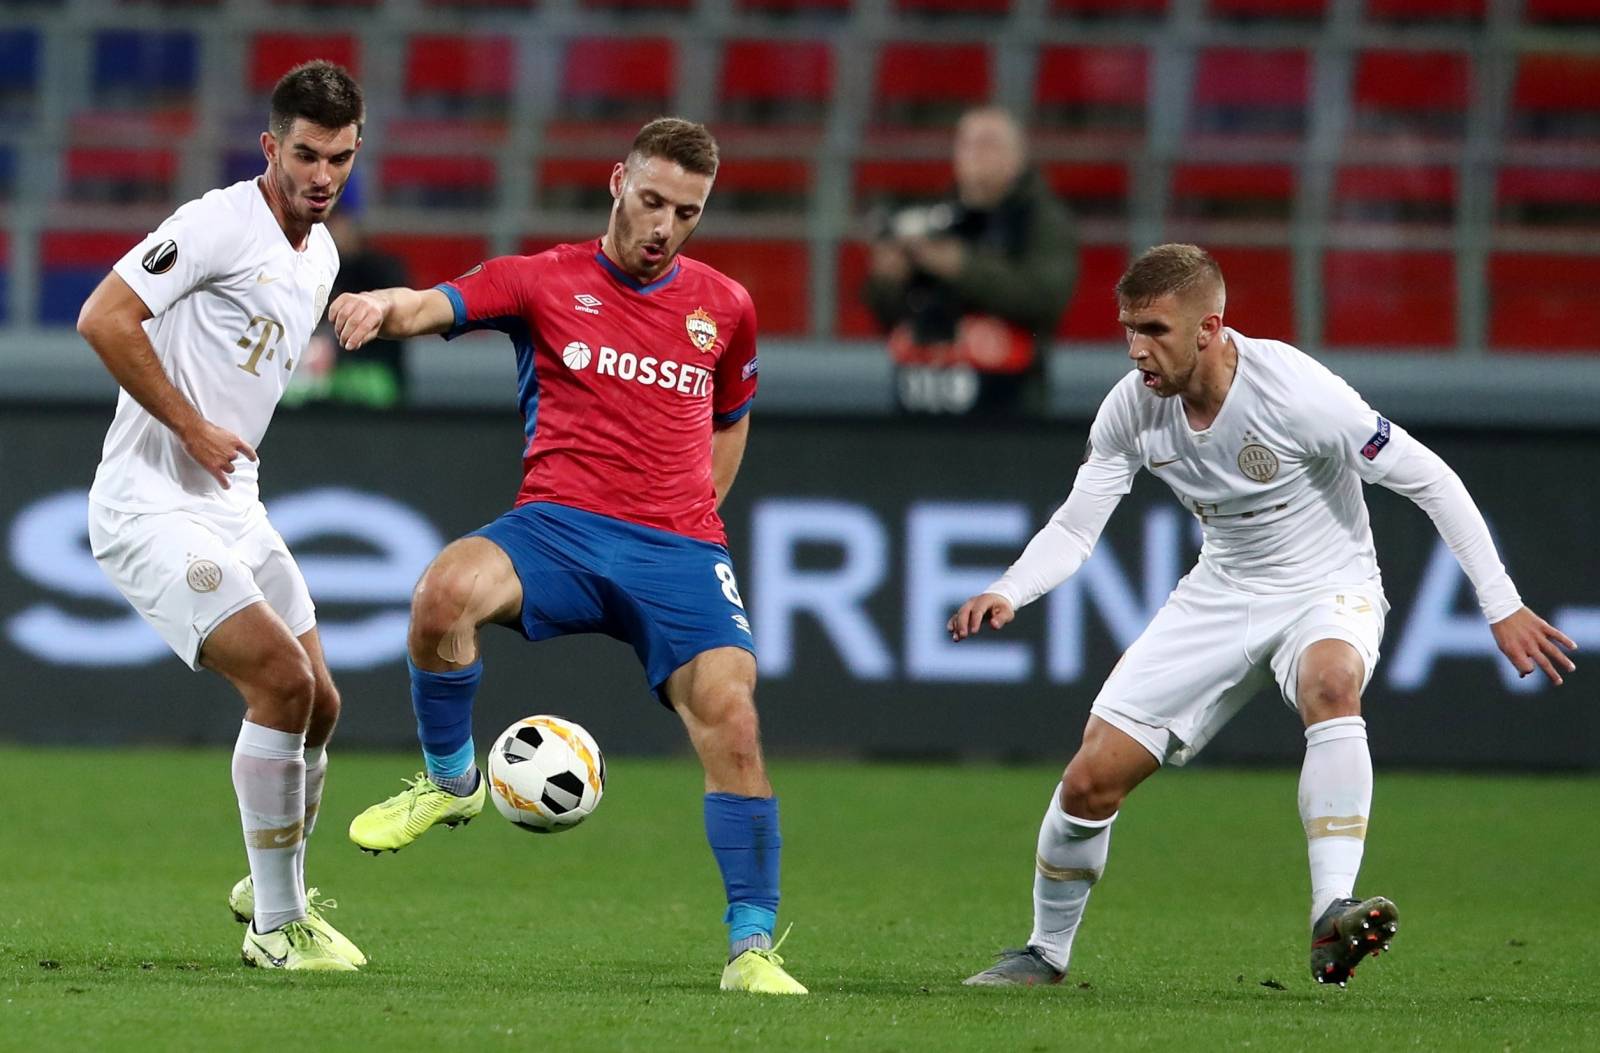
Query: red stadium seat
(832,8)
(1543,302)
(925,87)
(575,183)
(1092,312)
(433,258)
(953,8)
(460,77)
(853,319)
(776,274)
(642,7)
(1561,12)
(1096,90)
(116,175)
(1557,97)
(1283,10)
(764,184)
(620,82)
(1247,94)
(482,5)
(438,181)
(1401,194)
(1549,198)
(72,263)
(1233,192)
(1090,190)
(773,82)
(1411,94)
(1425,11)
(1260,290)
(901,182)
(1388,299)
(274,54)
(1109,9)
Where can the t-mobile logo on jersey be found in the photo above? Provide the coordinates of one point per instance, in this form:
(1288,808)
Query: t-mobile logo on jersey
(685,379)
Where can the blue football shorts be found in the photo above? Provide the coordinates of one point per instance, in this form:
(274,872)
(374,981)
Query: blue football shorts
(668,596)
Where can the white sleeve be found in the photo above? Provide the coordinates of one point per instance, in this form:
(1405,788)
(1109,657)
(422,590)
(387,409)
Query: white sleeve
(1423,477)
(1338,424)
(180,255)
(1057,550)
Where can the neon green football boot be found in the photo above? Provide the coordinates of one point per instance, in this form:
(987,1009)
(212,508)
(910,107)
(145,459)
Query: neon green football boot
(296,946)
(391,825)
(761,970)
(242,901)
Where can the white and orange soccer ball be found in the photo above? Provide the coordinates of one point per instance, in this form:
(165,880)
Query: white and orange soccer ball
(546,774)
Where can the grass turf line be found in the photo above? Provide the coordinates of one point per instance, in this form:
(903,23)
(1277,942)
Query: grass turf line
(900,881)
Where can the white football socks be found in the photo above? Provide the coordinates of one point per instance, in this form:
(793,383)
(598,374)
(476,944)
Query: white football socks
(269,777)
(316,773)
(1071,857)
(1335,801)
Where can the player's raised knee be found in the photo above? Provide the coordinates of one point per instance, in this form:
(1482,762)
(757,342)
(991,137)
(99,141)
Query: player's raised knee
(1086,796)
(440,600)
(286,687)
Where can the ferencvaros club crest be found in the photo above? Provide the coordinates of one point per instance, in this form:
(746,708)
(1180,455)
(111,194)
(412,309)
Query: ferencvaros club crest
(702,329)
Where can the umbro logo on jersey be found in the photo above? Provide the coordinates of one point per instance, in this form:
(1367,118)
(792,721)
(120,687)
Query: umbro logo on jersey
(586,303)
(160,259)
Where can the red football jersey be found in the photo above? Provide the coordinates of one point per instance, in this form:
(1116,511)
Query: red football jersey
(619,382)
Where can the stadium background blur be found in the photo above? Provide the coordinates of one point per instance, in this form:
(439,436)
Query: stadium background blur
(1407,189)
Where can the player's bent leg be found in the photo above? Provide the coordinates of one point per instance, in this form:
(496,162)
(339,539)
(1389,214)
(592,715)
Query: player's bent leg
(470,583)
(714,695)
(256,652)
(1335,802)
(1074,842)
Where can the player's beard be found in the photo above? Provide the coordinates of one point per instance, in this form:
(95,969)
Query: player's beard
(631,249)
(294,198)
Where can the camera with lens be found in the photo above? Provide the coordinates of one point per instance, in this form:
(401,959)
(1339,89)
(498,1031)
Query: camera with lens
(924,221)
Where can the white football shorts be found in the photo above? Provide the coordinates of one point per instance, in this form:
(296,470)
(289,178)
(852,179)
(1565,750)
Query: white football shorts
(1211,647)
(187,572)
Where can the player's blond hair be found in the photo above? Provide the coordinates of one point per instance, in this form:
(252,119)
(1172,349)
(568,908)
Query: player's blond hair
(688,144)
(1188,271)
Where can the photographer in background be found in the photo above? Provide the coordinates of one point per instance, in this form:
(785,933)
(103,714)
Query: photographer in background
(971,288)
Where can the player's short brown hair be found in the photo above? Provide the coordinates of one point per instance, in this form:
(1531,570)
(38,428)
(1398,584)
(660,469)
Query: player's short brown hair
(688,144)
(1187,271)
(322,92)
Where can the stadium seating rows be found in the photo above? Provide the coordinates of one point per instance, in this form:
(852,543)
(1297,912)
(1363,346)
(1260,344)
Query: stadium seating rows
(1400,171)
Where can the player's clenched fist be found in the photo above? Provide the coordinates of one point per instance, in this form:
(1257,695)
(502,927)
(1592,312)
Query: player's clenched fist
(356,318)
(970,618)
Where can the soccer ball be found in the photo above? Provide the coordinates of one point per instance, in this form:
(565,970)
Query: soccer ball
(546,774)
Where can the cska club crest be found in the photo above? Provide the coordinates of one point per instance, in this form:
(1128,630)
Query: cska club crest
(702,329)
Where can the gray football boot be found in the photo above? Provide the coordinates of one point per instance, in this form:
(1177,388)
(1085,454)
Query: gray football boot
(1348,931)
(1025,967)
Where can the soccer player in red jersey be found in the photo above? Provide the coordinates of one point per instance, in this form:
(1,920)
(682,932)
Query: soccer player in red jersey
(636,367)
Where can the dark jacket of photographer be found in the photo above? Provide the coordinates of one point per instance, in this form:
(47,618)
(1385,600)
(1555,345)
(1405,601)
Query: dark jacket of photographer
(1020,266)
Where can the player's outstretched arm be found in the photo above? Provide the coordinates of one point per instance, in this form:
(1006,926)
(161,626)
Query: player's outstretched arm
(112,321)
(392,314)
(987,606)
(1531,642)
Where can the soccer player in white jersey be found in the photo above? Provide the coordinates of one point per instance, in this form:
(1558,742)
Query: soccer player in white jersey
(202,324)
(1269,450)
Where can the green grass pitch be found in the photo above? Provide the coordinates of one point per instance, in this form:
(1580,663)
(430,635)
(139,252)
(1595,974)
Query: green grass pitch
(900,880)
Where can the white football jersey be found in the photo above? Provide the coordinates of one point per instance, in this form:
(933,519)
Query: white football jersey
(234,306)
(1275,480)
